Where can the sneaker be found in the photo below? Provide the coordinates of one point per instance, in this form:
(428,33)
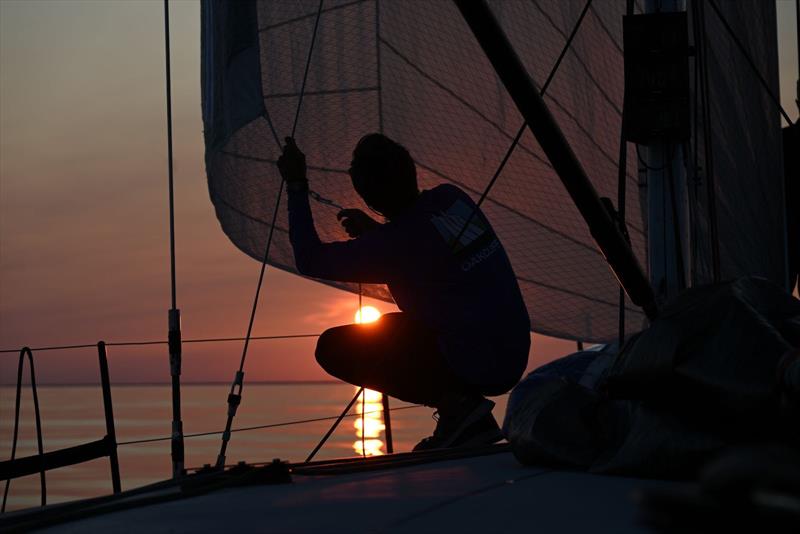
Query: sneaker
(470,426)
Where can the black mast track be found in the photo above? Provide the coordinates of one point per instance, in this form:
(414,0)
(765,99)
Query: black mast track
(530,104)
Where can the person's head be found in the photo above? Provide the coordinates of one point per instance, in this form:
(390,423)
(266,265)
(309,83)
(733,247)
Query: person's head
(384,175)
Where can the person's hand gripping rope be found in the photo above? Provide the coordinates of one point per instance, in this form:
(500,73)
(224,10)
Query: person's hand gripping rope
(292,166)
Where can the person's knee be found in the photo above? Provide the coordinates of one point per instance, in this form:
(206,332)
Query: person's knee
(333,351)
(324,351)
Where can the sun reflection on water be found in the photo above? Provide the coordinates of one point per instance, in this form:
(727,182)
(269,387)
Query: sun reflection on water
(370,408)
(369,424)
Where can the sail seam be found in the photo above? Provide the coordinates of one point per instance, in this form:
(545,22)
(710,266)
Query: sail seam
(466,104)
(310,15)
(581,62)
(472,108)
(606,30)
(576,294)
(520,278)
(512,210)
(274,162)
(323,92)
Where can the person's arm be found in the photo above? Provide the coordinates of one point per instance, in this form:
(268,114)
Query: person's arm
(371,258)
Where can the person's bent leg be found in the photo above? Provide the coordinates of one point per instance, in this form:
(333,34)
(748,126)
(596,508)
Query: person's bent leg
(395,355)
(400,357)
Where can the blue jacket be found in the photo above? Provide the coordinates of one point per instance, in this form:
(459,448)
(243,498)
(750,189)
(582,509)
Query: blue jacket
(466,292)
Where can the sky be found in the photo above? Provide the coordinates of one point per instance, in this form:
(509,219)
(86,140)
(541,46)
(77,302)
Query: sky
(83,204)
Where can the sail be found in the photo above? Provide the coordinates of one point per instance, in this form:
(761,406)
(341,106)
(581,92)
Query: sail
(745,159)
(413,71)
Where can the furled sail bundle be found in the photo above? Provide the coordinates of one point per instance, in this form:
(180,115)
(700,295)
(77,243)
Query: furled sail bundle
(413,70)
(743,159)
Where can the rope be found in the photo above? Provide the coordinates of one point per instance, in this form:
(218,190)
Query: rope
(483,196)
(750,62)
(649,167)
(308,65)
(521,130)
(622,170)
(363,423)
(259,427)
(43,482)
(700,29)
(363,391)
(676,225)
(235,395)
(621,203)
(334,425)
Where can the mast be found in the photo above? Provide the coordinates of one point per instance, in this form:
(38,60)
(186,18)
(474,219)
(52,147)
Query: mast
(530,104)
(667,203)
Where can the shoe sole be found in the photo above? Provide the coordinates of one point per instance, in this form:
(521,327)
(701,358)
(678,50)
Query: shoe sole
(485,407)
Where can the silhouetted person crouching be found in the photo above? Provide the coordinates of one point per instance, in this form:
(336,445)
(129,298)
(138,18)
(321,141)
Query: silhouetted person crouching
(463,331)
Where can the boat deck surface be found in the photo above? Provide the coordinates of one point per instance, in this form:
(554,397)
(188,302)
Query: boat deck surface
(492,493)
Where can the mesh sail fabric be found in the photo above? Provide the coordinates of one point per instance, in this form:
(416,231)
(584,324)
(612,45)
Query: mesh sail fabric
(413,71)
(745,147)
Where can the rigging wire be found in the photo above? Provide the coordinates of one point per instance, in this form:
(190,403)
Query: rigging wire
(649,167)
(620,215)
(43,483)
(363,390)
(708,148)
(261,427)
(695,155)
(162,342)
(622,172)
(170,166)
(676,227)
(174,314)
(363,423)
(749,61)
(334,425)
(522,128)
(483,196)
(235,395)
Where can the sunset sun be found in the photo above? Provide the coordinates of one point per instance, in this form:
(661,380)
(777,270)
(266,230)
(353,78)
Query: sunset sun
(367,314)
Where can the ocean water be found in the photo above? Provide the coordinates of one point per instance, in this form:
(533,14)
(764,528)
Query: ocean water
(72,415)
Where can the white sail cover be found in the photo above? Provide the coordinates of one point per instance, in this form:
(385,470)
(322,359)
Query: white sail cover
(412,70)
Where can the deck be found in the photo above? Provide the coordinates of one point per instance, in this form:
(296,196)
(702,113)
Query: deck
(488,493)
